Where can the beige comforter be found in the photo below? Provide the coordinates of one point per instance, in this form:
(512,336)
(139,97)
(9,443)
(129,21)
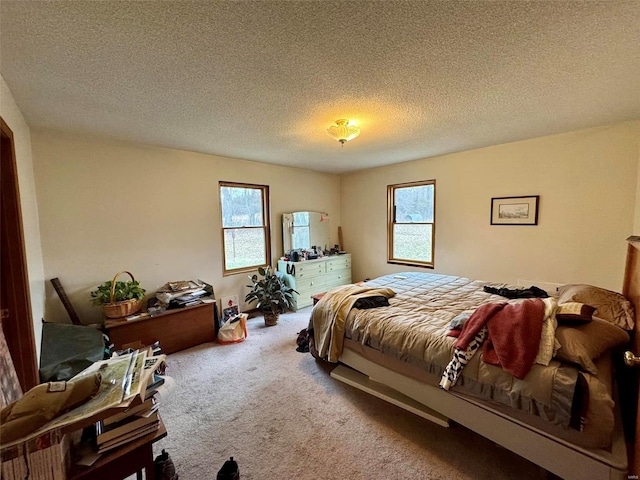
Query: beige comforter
(329,315)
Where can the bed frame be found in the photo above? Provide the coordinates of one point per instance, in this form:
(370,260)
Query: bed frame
(550,453)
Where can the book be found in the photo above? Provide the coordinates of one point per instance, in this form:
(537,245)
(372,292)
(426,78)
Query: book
(148,413)
(132,410)
(181,285)
(229,307)
(156,382)
(104,434)
(129,437)
(187,297)
(191,303)
(153,386)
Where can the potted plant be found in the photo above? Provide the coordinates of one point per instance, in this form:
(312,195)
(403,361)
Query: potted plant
(271,292)
(117,298)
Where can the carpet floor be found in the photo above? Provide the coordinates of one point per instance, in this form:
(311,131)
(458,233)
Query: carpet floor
(281,416)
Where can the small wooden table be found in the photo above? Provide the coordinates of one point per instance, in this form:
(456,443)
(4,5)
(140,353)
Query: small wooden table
(317,297)
(124,461)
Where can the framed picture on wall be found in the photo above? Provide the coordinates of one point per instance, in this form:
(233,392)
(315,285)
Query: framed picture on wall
(515,210)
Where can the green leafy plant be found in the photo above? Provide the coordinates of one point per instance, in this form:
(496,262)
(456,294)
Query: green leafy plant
(271,292)
(123,291)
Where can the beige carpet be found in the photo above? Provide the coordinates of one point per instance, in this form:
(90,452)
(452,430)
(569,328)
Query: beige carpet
(281,416)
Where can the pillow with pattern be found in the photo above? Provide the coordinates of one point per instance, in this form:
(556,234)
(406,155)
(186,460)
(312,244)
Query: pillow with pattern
(574,312)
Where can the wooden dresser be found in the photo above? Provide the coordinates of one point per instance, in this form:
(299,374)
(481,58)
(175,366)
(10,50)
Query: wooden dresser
(175,329)
(316,276)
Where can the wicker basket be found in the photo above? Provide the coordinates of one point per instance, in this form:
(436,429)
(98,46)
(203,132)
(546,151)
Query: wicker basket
(123,308)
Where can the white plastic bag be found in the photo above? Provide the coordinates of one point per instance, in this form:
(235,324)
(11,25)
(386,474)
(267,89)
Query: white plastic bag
(234,330)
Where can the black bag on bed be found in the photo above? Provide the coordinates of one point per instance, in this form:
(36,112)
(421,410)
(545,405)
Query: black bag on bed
(531,292)
(371,302)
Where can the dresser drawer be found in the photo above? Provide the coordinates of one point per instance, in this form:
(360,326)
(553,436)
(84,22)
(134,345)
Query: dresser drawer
(304,269)
(340,263)
(303,299)
(310,283)
(340,277)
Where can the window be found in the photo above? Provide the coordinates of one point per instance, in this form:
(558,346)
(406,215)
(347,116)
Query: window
(245,226)
(411,223)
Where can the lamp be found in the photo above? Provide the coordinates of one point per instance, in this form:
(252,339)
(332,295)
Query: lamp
(342,132)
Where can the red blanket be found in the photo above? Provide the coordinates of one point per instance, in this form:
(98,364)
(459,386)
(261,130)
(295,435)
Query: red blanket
(514,334)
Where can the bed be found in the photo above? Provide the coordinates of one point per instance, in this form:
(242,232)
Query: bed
(562,414)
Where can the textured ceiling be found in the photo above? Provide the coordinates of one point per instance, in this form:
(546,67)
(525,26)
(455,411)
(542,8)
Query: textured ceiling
(262,80)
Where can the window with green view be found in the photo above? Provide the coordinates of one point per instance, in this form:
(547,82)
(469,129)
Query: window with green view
(411,223)
(245,226)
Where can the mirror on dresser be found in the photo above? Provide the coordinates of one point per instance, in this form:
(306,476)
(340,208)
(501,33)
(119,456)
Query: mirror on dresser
(303,230)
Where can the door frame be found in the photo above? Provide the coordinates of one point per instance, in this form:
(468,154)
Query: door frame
(17,321)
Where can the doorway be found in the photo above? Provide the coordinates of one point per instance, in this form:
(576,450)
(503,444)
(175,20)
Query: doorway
(15,304)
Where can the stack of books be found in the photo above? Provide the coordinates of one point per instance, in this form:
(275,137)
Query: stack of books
(138,420)
(124,409)
(188,299)
(184,293)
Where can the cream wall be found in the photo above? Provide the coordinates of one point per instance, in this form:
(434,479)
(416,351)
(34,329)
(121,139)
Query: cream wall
(587,182)
(160,218)
(22,143)
(107,207)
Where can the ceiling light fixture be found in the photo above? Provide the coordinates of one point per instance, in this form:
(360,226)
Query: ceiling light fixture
(342,131)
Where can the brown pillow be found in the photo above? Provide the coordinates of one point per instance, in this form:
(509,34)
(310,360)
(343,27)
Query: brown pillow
(574,312)
(581,344)
(610,306)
